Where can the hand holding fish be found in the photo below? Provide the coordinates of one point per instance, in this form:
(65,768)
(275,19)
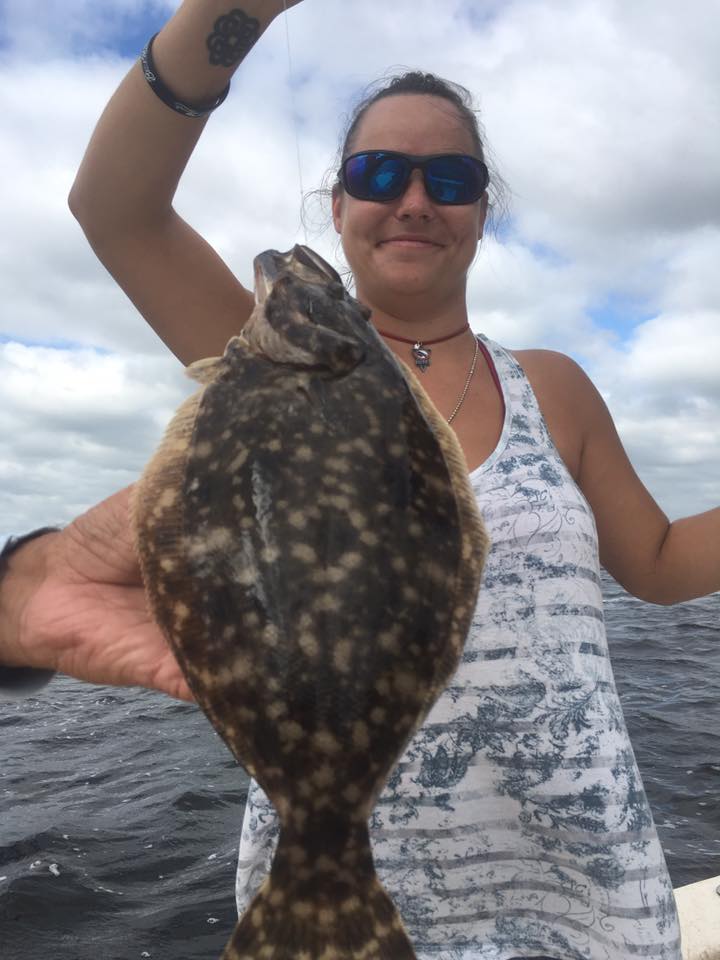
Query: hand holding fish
(73,602)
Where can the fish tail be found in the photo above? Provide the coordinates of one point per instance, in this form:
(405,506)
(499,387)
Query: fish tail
(331,914)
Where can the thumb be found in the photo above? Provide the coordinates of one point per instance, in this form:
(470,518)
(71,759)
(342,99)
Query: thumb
(100,543)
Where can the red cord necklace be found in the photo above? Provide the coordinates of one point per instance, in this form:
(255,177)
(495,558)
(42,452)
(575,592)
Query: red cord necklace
(420,351)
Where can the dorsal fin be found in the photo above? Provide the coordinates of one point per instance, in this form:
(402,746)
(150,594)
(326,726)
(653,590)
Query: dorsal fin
(205,370)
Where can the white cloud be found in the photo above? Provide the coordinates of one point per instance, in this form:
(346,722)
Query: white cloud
(677,351)
(603,117)
(79,424)
(595,118)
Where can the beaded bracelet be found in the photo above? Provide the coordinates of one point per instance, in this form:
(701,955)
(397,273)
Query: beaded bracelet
(19,681)
(166,95)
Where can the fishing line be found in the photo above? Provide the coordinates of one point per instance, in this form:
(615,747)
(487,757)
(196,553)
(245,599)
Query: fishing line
(295,120)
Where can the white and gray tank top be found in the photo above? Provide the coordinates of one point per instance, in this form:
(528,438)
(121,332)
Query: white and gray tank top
(516,823)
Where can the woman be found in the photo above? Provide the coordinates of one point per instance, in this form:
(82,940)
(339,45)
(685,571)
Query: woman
(516,823)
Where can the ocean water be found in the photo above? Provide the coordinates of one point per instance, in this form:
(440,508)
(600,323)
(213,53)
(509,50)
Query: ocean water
(120,810)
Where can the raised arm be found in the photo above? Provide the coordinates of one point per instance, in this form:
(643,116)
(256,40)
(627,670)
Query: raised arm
(654,559)
(123,192)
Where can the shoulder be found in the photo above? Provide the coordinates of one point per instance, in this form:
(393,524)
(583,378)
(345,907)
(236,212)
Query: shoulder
(547,363)
(569,401)
(556,377)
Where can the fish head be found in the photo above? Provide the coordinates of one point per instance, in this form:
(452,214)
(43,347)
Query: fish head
(303,314)
(300,263)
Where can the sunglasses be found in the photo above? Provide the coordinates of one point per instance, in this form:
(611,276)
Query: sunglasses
(383,175)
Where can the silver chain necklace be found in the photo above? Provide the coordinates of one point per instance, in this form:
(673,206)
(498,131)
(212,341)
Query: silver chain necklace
(467,383)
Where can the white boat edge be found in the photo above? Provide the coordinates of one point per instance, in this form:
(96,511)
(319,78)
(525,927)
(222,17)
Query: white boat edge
(698,907)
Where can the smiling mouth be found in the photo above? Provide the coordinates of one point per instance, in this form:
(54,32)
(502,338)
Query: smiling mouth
(410,243)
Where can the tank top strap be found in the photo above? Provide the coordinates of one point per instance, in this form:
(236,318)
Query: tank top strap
(524,422)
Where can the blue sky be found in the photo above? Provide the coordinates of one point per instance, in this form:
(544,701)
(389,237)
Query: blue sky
(120,31)
(620,313)
(601,117)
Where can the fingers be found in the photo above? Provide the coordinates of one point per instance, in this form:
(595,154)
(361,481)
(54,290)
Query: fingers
(181,691)
(174,685)
(168,678)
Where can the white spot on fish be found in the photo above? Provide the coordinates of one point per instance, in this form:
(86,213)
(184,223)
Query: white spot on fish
(238,461)
(351,560)
(303,551)
(327,602)
(341,656)
(370,538)
(308,644)
(325,742)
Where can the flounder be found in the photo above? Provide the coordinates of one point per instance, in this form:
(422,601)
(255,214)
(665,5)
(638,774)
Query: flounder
(312,550)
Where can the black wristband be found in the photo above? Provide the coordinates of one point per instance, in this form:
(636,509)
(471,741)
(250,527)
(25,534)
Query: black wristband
(14,543)
(166,95)
(17,682)
(20,681)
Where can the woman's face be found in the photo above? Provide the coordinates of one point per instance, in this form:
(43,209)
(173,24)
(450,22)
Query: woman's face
(389,273)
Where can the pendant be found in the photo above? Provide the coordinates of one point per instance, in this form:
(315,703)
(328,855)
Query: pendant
(422,356)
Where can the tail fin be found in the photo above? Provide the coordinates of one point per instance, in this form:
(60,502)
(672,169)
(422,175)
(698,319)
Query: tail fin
(319,915)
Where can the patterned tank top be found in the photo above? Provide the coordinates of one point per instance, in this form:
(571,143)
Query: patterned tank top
(516,822)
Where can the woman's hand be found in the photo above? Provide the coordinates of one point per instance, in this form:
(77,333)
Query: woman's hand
(74,602)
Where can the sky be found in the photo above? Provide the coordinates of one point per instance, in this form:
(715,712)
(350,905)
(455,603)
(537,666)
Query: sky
(601,116)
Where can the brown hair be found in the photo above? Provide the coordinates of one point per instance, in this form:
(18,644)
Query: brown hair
(419,83)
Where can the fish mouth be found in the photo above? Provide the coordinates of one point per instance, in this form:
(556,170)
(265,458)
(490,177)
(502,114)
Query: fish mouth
(300,262)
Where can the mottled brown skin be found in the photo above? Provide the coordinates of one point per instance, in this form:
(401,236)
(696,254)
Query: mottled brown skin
(312,550)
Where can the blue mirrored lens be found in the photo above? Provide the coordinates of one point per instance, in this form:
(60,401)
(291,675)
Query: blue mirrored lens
(375,176)
(387,178)
(452,180)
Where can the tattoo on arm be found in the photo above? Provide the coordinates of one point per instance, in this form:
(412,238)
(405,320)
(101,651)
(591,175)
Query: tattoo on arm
(233,36)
